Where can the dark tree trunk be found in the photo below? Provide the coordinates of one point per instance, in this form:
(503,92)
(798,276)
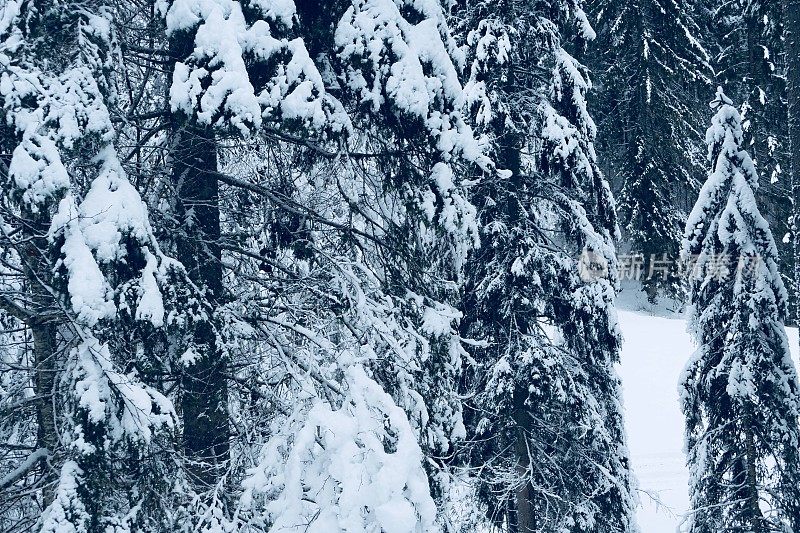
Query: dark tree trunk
(44,333)
(522,518)
(792,38)
(756,518)
(45,345)
(521,514)
(204,402)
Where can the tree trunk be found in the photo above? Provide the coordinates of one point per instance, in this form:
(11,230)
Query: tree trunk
(522,519)
(792,39)
(521,515)
(45,345)
(525,518)
(44,354)
(204,386)
(204,402)
(44,333)
(756,518)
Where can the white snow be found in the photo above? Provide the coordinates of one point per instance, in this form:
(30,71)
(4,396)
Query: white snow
(126,406)
(90,294)
(215,80)
(357,468)
(654,353)
(282,10)
(67,509)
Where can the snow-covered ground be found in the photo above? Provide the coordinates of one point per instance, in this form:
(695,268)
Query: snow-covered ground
(653,355)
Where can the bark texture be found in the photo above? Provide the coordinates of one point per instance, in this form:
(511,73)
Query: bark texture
(791,10)
(204,401)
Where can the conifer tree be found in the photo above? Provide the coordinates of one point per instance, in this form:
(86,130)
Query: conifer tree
(383,236)
(83,276)
(740,388)
(747,52)
(649,63)
(791,11)
(546,372)
(395,69)
(238,70)
(745,41)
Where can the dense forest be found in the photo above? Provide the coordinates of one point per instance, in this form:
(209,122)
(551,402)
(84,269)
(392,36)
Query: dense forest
(351,265)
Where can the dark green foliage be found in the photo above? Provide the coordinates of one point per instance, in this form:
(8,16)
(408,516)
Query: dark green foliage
(546,372)
(740,389)
(652,73)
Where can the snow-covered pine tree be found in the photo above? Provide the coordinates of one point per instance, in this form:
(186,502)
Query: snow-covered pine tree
(649,64)
(237,69)
(392,64)
(82,280)
(588,320)
(740,388)
(409,104)
(546,416)
(745,40)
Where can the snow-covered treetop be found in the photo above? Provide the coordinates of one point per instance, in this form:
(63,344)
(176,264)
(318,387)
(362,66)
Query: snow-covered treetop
(725,220)
(408,67)
(729,161)
(411,64)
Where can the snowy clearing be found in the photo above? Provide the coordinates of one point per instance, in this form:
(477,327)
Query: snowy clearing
(654,351)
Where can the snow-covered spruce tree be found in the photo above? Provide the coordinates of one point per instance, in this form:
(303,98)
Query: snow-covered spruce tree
(747,52)
(650,65)
(740,388)
(745,39)
(409,103)
(588,320)
(546,417)
(394,270)
(236,68)
(368,247)
(81,276)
